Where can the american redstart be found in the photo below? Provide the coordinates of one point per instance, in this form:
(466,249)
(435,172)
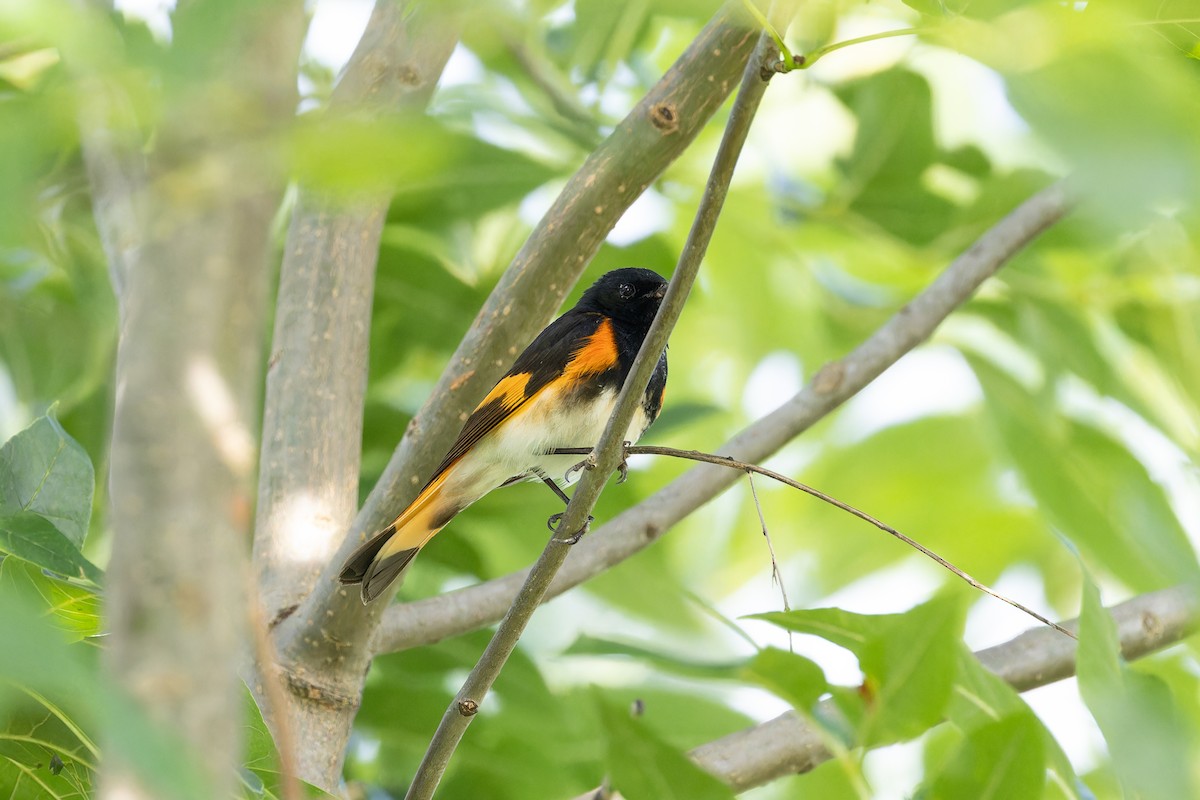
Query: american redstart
(559,393)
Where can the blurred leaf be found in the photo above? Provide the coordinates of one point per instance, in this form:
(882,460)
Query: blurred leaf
(645,586)
(521,720)
(681,717)
(44,471)
(949,451)
(434,173)
(1149,741)
(31,537)
(938,7)
(893,148)
(678,416)
(656,656)
(1067,67)
(72,608)
(1091,487)
(643,767)
(794,678)
(910,662)
(998,760)
(262,775)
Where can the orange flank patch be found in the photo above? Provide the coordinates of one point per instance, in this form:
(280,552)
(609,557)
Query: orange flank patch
(598,353)
(510,391)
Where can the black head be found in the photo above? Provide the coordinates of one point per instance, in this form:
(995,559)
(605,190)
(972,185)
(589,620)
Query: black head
(629,294)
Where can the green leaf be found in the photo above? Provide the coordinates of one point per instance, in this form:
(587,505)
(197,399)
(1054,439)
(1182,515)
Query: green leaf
(1149,741)
(261,775)
(843,628)
(981,698)
(794,678)
(910,662)
(998,760)
(1090,486)
(436,173)
(72,608)
(658,657)
(644,767)
(33,538)
(893,148)
(34,731)
(911,668)
(44,471)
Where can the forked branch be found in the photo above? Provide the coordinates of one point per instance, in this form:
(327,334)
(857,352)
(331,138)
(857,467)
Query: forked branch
(412,624)
(608,451)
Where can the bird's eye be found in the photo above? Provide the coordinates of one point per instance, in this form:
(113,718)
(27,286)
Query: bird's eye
(625,291)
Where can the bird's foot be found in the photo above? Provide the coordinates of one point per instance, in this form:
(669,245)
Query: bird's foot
(623,467)
(574,537)
(553,522)
(587,463)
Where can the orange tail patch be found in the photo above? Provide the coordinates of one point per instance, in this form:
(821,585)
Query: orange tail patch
(382,558)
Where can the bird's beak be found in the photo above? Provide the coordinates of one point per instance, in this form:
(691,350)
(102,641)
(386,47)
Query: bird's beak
(660,292)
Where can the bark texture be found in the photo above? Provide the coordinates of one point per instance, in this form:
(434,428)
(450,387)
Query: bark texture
(186,229)
(316,382)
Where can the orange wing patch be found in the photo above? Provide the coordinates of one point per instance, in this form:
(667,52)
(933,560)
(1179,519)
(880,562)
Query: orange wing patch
(510,391)
(598,354)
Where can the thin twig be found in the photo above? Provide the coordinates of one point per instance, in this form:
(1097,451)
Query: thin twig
(776,575)
(608,451)
(732,463)
(807,60)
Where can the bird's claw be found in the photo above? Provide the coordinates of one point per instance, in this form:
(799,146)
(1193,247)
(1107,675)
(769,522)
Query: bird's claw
(574,537)
(623,467)
(553,522)
(587,463)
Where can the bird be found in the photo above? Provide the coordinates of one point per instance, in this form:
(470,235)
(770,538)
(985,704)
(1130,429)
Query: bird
(559,393)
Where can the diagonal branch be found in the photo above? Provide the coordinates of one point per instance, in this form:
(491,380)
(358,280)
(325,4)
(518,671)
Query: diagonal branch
(425,621)
(189,258)
(787,745)
(316,381)
(658,129)
(654,133)
(607,454)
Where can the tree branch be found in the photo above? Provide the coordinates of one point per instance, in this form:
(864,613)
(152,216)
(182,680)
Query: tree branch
(787,745)
(658,129)
(316,382)
(425,621)
(188,254)
(324,640)
(607,454)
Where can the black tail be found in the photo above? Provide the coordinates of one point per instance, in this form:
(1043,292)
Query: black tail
(375,576)
(381,573)
(356,566)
